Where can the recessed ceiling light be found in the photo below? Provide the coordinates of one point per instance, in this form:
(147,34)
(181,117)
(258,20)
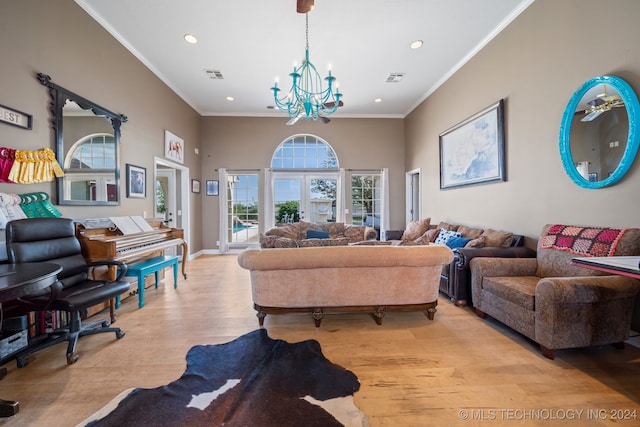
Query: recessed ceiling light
(377,100)
(190,38)
(416,44)
(229,98)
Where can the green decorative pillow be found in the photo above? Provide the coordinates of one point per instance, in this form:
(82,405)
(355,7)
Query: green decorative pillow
(317,234)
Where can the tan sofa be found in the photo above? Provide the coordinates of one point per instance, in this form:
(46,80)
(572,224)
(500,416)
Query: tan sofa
(372,279)
(557,304)
(305,234)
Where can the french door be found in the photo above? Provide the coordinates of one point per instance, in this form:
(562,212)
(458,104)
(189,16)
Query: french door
(311,197)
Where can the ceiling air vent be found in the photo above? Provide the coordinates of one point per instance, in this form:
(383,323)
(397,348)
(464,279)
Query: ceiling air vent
(214,74)
(395,77)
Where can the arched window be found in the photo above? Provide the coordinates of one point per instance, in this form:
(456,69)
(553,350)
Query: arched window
(96,151)
(89,168)
(304,152)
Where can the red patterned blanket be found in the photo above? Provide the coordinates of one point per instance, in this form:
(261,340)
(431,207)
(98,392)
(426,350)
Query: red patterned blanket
(585,241)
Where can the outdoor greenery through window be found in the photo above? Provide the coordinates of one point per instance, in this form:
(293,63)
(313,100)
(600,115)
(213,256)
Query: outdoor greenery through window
(305,180)
(243,208)
(366,200)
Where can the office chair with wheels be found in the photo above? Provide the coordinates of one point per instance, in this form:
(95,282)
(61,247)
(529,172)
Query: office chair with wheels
(53,240)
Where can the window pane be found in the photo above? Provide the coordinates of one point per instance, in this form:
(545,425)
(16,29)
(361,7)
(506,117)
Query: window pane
(304,152)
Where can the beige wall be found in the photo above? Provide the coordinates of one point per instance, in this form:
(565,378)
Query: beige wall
(249,143)
(535,64)
(58,38)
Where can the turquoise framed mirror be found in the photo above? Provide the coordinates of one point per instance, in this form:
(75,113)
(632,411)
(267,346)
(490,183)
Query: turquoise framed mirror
(598,135)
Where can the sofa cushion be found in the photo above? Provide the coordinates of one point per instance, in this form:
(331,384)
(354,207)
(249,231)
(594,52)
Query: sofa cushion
(354,233)
(277,242)
(478,242)
(317,234)
(335,229)
(432,234)
(415,229)
(472,233)
(312,243)
(289,231)
(451,227)
(445,235)
(457,242)
(520,290)
(303,226)
(495,238)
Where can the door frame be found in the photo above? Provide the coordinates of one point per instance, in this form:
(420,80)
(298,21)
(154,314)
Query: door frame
(182,215)
(305,177)
(413,195)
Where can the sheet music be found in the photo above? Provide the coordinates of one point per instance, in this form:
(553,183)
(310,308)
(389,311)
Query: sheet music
(142,223)
(128,225)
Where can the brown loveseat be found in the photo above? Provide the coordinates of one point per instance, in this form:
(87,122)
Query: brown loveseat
(555,303)
(306,234)
(455,278)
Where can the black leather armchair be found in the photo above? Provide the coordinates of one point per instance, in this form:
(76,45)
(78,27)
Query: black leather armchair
(53,240)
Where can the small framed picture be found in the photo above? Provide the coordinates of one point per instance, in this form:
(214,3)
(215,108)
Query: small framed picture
(136,181)
(195,186)
(212,188)
(173,147)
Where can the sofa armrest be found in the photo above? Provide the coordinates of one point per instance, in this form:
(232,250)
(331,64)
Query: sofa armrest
(462,256)
(584,311)
(370,233)
(393,234)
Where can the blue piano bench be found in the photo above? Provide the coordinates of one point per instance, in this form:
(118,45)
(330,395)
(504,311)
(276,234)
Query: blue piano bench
(148,266)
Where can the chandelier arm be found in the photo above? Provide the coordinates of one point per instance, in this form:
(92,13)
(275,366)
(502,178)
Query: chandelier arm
(306,98)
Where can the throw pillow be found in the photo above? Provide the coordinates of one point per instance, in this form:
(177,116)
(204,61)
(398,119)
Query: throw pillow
(416,229)
(445,235)
(457,242)
(452,227)
(469,232)
(317,234)
(495,238)
(432,234)
(476,243)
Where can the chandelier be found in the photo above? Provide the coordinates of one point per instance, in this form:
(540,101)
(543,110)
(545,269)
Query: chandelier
(307,99)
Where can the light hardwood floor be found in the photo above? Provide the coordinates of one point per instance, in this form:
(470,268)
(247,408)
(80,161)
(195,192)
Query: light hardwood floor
(413,372)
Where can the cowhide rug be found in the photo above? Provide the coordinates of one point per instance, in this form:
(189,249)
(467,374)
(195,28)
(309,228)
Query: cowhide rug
(250,381)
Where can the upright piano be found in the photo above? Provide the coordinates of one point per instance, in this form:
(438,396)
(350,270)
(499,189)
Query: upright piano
(102,240)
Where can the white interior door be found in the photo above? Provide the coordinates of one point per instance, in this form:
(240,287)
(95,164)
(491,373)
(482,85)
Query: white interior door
(166,196)
(413,199)
(176,178)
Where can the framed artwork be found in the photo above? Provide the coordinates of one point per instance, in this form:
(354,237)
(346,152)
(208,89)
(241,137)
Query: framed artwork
(472,152)
(173,147)
(212,188)
(195,186)
(136,181)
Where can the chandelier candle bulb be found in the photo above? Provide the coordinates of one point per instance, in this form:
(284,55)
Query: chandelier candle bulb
(307,99)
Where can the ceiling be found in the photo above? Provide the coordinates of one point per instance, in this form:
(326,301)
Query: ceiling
(253,42)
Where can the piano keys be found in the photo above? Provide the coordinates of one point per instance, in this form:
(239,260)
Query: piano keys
(101,240)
